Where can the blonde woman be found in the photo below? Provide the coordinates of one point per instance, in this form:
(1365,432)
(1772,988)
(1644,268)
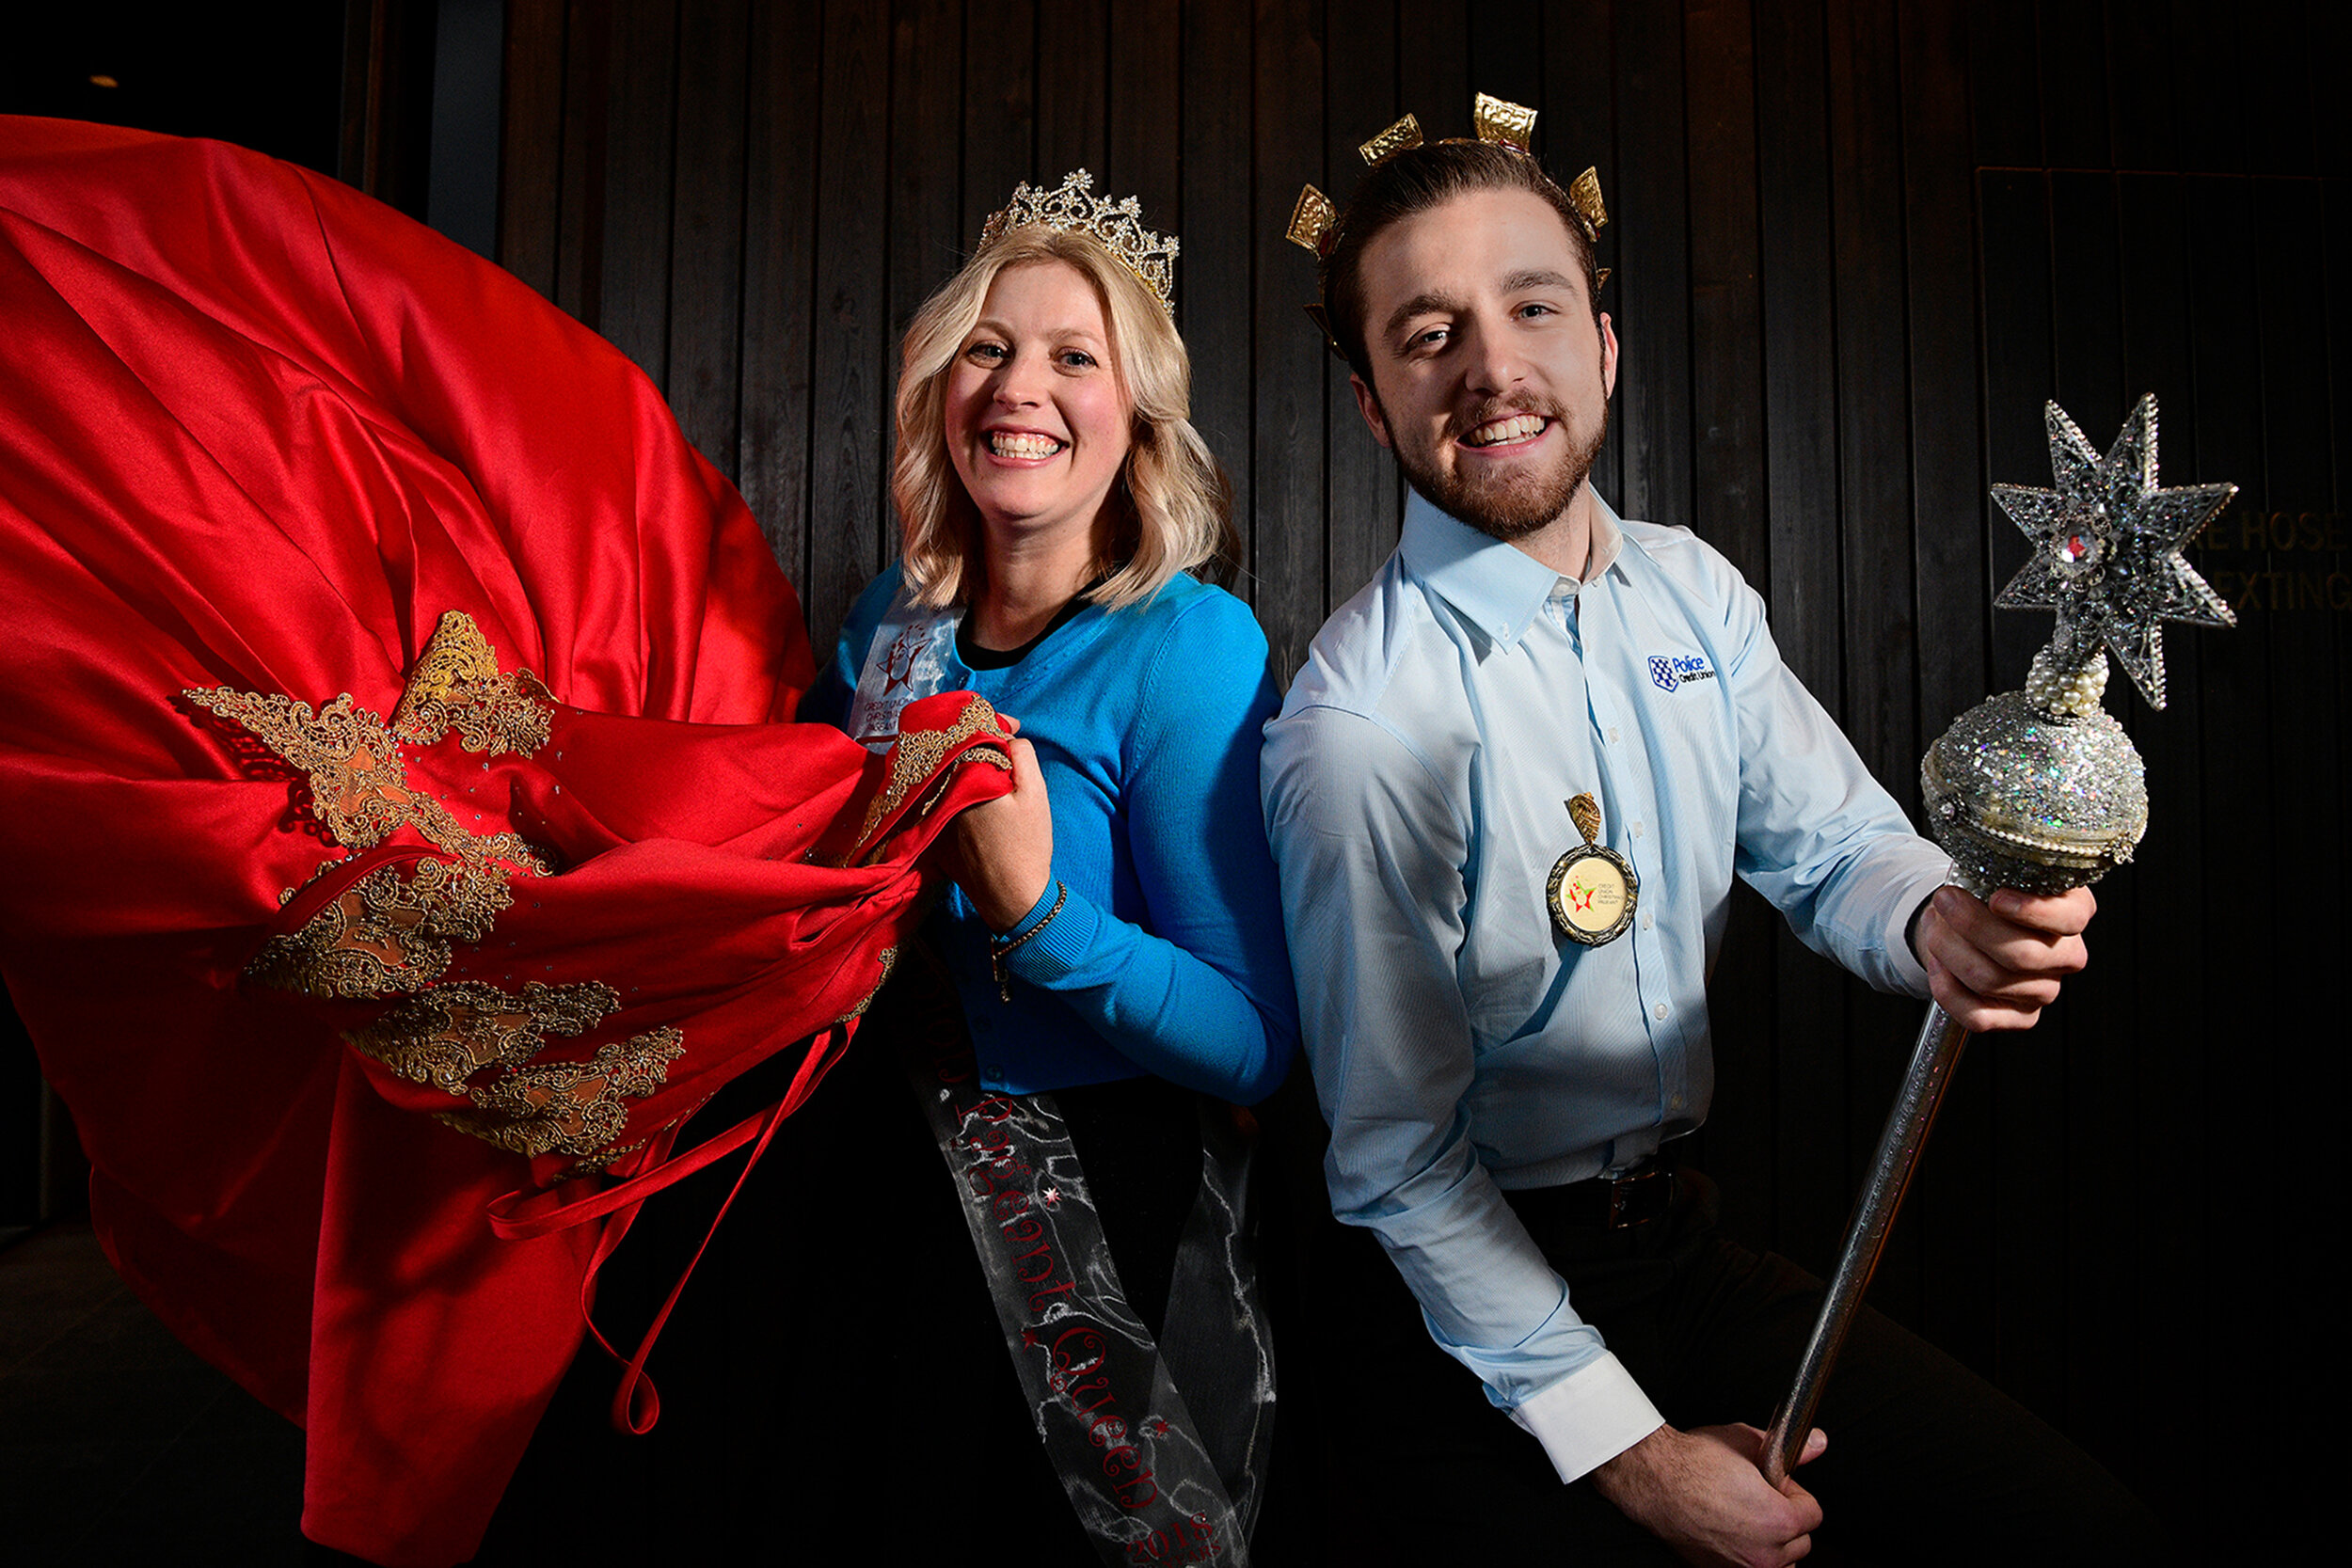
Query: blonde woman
(1114,938)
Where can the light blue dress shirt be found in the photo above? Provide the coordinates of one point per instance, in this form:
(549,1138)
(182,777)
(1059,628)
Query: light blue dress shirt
(1415,788)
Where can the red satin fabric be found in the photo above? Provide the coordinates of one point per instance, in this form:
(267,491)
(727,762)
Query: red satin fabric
(258,432)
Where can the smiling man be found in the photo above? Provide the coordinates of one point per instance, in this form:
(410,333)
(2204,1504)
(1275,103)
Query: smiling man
(1508,794)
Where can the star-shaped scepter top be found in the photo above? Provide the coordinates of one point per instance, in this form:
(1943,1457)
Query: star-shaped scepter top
(2108,554)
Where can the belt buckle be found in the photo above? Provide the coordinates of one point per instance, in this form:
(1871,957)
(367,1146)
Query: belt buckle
(1632,1199)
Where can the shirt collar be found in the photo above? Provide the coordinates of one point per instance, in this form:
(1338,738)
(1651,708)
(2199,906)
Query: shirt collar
(1500,588)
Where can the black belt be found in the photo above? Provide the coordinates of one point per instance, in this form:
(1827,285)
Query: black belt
(1632,1198)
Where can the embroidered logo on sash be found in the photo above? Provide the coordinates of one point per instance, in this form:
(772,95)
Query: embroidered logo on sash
(907,658)
(1669,672)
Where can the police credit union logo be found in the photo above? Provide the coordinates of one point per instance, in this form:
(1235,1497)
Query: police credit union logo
(1668,672)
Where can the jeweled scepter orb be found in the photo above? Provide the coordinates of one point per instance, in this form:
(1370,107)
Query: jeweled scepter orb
(2039,790)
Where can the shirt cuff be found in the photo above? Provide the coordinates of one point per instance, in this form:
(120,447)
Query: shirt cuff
(1910,974)
(1589,1417)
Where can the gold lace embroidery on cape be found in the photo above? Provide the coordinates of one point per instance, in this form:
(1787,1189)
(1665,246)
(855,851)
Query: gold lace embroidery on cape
(574,1108)
(385,934)
(916,757)
(391,933)
(889,962)
(388,932)
(457,685)
(445,1035)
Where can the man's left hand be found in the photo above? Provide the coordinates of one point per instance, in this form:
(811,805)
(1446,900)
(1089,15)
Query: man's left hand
(1996,963)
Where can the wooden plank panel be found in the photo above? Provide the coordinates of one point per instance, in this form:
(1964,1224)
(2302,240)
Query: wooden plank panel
(2331,136)
(927,239)
(1144,125)
(2211,125)
(999,110)
(1212,281)
(2004,83)
(706,301)
(1948,502)
(641,120)
(1362,499)
(1874,513)
(2098,1014)
(2026,1082)
(1506,56)
(1874,489)
(2167,1070)
(1951,1222)
(2071,44)
(531,142)
(2141,88)
(1073,45)
(2318,1068)
(1726,376)
(849,515)
(2304,910)
(779,261)
(2237,670)
(1798,302)
(1433,79)
(2276,41)
(579,243)
(1653,285)
(1578,131)
(2087,346)
(927,242)
(1727,394)
(1286,545)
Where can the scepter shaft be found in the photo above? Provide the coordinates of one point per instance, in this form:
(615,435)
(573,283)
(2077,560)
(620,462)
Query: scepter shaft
(2038,790)
(1930,1074)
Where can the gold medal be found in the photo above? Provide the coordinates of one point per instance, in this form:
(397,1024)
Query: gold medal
(1593,888)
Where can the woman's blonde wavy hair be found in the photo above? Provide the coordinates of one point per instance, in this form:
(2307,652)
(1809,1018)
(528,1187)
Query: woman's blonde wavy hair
(1175,502)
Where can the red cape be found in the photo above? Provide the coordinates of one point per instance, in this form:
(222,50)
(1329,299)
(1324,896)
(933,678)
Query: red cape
(258,434)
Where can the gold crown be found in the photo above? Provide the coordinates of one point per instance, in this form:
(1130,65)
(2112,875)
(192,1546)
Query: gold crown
(1117,226)
(1316,219)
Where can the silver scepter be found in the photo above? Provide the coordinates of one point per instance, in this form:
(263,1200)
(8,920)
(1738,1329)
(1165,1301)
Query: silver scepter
(2039,790)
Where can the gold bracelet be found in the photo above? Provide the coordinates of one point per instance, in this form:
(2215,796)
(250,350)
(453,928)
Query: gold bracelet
(1000,947)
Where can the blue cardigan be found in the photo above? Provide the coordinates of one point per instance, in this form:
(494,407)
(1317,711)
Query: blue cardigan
(1168,956)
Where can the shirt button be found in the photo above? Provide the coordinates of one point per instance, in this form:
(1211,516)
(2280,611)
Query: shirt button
(1637,829)
(1612,735)
(1645,917)
(1658,1011)
(1675,1104)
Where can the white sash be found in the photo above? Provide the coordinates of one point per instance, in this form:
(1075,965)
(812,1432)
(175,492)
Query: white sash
(907,658)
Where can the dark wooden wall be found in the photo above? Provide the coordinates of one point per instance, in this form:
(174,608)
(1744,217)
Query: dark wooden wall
(2178,222)
(1856,246)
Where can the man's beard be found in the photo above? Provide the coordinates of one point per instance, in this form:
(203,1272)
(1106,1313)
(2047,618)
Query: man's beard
(1514,506)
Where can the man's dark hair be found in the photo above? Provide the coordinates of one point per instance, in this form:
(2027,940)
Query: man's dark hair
(1413,182)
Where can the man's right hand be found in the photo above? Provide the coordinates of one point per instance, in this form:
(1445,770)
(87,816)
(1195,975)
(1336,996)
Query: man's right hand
(1702,1493)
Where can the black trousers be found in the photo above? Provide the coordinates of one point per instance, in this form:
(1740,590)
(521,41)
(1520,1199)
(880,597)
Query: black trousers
(1927,1462)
